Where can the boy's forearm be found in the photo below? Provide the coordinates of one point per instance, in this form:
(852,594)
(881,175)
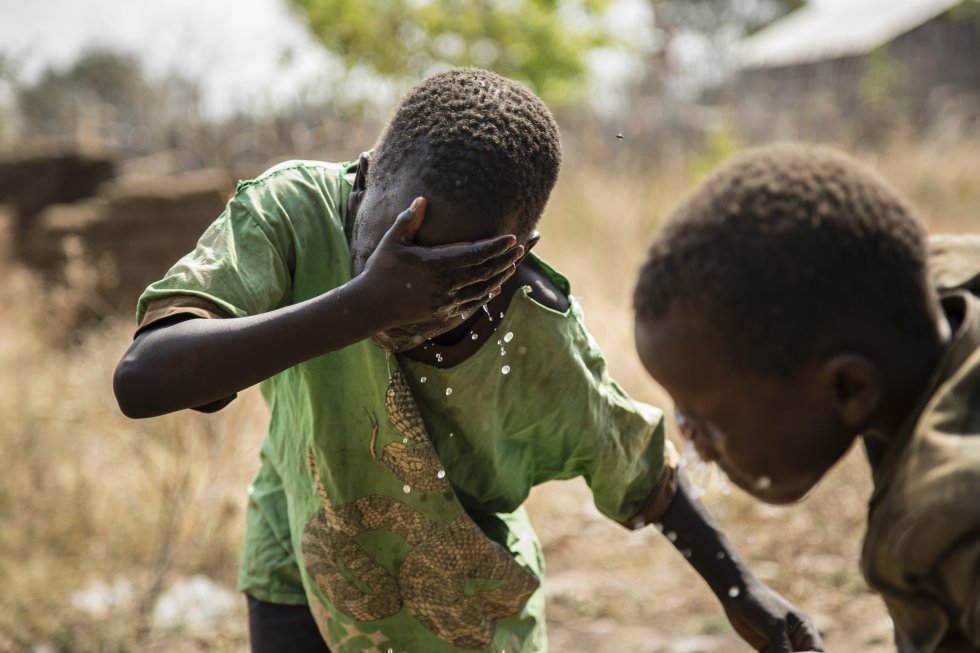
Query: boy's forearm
(690,527)
(198,361)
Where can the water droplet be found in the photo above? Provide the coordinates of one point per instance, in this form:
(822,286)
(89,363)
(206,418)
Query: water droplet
(522,350)
(672,536)
(474,336)
(501,315)
(763,483)
(406,489)
(408,285)
(404,440)
(509,336)
(441,473)
(500,342)
(503,352)
(720,555)
(438,357)
(449,391)
(733,591)
(452,435)
(686,553)
(489,317)
(391,393)
(505,369)
(422,380)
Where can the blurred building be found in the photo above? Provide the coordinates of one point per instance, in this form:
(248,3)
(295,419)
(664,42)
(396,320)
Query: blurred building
(859,69)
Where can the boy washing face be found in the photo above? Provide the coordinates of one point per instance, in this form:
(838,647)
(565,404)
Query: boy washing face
(790,307)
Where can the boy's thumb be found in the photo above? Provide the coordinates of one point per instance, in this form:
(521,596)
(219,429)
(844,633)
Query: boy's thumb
(409,221)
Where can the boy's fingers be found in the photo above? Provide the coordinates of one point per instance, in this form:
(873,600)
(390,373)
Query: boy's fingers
(779,640)
(504,263)
(475,253)
(480,292)
(407,223)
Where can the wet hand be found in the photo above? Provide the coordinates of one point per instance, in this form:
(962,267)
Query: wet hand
(769,622)
(418,284)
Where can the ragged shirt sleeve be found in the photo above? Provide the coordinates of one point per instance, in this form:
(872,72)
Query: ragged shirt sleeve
(622,450)
(240,266)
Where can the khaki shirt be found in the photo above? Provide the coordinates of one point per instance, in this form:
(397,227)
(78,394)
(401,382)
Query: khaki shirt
(922,549)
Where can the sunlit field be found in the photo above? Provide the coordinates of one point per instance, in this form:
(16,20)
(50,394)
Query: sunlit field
(120,535)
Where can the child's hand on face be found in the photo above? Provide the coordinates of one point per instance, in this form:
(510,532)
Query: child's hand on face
(417,284)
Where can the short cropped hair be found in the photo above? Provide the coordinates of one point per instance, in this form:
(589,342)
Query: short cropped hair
(487,143)
(783,245)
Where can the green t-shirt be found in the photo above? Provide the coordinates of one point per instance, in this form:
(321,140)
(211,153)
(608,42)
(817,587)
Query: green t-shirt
(399,485)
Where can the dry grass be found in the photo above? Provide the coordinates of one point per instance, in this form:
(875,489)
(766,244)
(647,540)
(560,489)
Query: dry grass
(87,495)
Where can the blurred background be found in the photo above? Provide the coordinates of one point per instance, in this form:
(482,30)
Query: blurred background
(125,125)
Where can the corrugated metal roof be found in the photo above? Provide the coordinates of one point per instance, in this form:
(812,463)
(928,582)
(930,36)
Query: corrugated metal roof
(826,31)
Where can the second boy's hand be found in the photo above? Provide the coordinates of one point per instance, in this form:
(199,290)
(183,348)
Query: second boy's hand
(760,616)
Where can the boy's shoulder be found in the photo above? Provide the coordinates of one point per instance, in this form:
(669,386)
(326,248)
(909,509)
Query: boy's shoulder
(925,499)
(287,174)
(301,193)
(548,287)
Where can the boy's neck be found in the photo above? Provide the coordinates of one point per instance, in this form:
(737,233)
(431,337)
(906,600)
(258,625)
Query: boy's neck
(909,377)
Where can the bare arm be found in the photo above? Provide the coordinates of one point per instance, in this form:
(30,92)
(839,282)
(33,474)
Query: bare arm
(190,363)
(760,616)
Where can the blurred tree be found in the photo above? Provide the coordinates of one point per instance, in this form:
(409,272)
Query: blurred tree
(9,74)
(99,80)
(541,42)
(106,95)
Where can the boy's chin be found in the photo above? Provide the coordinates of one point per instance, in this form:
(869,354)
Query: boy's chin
(394,341)
(779,495)
(402,339)
(399,339)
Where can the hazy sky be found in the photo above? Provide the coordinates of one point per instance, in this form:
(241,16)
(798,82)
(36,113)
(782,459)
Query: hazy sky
(235,47)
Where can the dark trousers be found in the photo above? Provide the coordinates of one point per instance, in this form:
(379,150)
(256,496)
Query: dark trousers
(277,628)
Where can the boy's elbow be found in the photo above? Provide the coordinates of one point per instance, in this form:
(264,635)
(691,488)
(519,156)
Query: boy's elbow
(127,387)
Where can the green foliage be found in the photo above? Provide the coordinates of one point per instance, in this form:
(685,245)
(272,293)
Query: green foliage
(540,42)
(967,11)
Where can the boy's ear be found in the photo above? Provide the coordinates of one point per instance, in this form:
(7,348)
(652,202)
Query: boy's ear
(360,177)
(854,386)
(360,184)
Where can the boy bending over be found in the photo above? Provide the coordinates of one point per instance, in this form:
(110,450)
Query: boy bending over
(386,515)
(793,304)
